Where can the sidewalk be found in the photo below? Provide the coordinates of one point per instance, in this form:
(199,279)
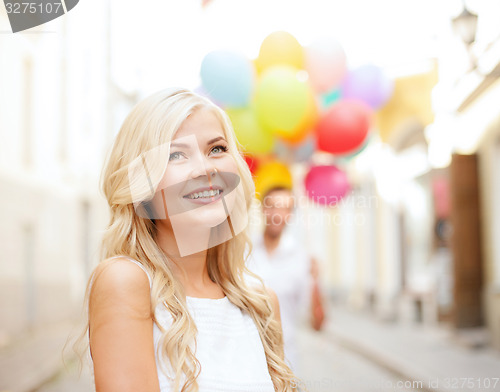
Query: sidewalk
(29,362)
(416,353)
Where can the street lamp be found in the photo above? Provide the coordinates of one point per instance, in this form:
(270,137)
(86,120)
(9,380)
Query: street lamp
(465,25)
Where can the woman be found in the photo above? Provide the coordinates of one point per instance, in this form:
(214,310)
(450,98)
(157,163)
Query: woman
(169,307)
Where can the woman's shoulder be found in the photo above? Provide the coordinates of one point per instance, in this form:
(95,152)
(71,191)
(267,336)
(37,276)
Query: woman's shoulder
(120,327)
(117,268)
(118,278)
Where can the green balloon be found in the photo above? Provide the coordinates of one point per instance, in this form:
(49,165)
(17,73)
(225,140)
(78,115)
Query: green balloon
(330,98)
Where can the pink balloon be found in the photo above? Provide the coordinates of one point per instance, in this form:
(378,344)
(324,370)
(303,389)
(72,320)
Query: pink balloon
(326,185)
(325,64)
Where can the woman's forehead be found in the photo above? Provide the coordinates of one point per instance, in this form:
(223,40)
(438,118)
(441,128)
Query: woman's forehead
(202,123)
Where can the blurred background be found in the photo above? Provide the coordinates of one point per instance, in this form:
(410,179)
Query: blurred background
(385,112)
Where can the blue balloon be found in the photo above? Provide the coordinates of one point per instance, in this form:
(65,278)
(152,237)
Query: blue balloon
(228,77)
(305,150)
(295,153)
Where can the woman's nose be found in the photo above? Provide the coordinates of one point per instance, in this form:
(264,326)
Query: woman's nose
(202,167)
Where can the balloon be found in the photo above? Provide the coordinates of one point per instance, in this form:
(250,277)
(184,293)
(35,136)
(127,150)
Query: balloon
(271,175)
(280,48)
(249,133)
(201,91)
(326,64)
(228,77)
(328,99)
(343,127)
(281,100)
(299,133)
(252,163)
(369,84)
(295,153)
(353,154)
(326,185)
(305,150)
(283,151)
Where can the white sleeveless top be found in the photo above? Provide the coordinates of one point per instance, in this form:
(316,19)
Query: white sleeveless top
(228,346)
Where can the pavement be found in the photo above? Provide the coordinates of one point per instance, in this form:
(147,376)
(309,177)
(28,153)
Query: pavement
(436,358)
(430,358)
(34,358)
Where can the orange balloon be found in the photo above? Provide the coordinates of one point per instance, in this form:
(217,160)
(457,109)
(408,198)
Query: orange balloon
(280,48)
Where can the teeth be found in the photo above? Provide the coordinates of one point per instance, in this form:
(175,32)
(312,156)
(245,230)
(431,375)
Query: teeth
(210,193)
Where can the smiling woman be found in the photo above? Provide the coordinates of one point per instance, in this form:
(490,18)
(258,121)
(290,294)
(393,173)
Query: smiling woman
(169,306)
(199,188)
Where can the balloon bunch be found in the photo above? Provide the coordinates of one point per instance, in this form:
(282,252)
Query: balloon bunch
(292,101)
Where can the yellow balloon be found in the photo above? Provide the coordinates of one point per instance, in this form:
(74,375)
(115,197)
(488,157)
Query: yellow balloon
(271,175)
(253,138)
(281,99)
(310,118)
(280,48)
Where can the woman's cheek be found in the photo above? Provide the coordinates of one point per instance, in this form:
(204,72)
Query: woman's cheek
(173,175)
(228,164)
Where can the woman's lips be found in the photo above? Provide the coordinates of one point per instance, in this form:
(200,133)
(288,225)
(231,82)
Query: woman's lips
(178,197)
(204,195)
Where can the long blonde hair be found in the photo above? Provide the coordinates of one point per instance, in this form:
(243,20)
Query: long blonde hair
(151,123)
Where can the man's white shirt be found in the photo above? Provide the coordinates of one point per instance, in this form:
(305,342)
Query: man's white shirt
(287,272)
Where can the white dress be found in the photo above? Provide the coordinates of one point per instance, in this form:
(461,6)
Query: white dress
(228,347)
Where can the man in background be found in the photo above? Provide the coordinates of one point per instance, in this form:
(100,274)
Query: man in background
(283,263)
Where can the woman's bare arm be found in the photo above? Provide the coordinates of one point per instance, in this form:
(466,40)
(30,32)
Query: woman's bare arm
(121,329)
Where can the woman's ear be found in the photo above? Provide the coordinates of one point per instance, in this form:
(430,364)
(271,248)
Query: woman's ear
(146,210)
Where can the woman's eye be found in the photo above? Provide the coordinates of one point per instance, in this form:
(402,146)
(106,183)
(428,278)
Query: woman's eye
(175,155)
(218,149)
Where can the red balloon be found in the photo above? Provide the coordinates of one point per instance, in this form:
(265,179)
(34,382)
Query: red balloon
(343,128)
(252,163)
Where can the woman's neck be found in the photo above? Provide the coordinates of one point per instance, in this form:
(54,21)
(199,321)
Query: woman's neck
(190,270)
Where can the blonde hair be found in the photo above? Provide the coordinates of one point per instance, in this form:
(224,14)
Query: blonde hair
(151,123)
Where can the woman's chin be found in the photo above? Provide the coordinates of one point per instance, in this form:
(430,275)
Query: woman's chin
(207,216)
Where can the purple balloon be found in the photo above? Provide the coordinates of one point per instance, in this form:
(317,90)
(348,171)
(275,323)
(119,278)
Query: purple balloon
(326,185)
(369,84)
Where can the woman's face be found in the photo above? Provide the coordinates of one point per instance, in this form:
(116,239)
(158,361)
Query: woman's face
(201,175)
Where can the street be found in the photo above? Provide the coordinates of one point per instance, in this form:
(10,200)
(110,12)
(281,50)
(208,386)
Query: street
(327,367)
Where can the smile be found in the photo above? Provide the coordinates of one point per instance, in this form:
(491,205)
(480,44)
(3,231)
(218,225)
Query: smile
(204,194)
